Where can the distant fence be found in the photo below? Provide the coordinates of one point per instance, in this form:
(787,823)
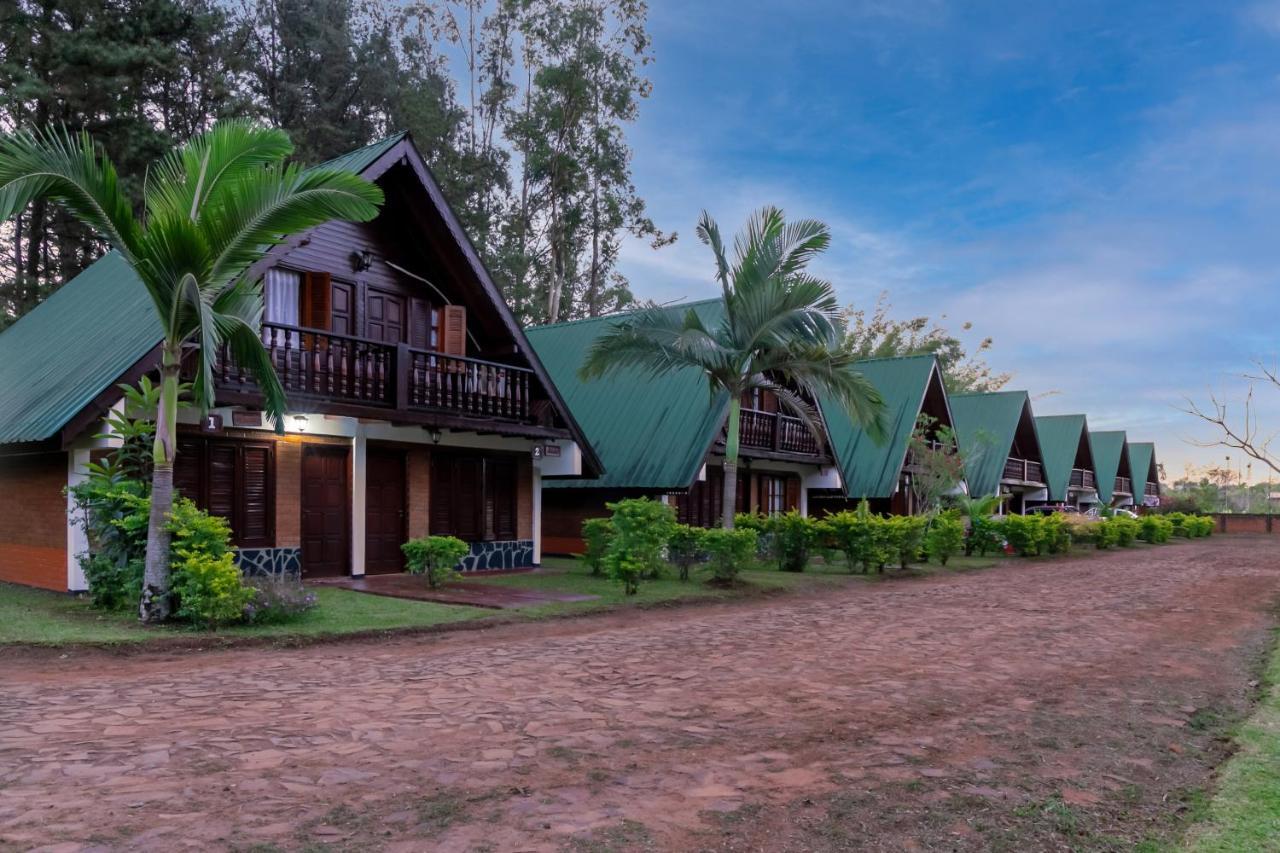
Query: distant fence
(1239,522)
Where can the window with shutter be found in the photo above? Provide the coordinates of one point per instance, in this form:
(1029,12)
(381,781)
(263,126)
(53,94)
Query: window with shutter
(455,330)
(500,497)
(231,479)
(473,497)
(316,300)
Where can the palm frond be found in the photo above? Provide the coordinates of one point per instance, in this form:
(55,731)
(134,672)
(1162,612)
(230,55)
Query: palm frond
(709,233)
(71,170)
(823,373)
(199,171)
(654,341)
(257,211)
(247,352)
(797,405)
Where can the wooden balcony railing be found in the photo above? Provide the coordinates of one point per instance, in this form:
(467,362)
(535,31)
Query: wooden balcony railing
(1123,485)
(1151,489)
(346,369)
(775,431)
(1023,470)
(1083,478)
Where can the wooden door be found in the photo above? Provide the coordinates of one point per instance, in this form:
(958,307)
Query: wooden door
(384,317)
(342,309)
(326,502)
(384,511)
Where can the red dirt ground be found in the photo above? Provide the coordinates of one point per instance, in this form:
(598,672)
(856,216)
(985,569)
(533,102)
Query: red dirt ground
(1040,705)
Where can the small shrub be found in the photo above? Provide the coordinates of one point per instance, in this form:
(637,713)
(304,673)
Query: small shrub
(1081,529)
(1107,534)
(596,533)
(855,535)
(434,557)
(1055,534)
(1125,530)
(729,550)
(986,535)
(1179,521)
(906,537)
(276,601)
(114,513)
(945,537)
(209,589)
(793,535)
(1026,534)
(684,547)
(1155,529)
(640,530)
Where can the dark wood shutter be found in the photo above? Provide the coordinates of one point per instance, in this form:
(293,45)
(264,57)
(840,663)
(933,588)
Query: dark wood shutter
(455,330)
(220,480)
(316,300)
(419,323)
(793,492)
(188,468)
(442,497)
(254,511)
(500,496)
(468,517)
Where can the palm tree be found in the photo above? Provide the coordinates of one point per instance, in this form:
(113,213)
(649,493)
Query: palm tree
(779,333)
(211,208)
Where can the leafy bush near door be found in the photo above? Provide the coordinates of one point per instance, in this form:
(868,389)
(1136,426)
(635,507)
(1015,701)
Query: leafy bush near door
(945,537)
(596,533)
(685,546)
(641,528)
(434,557)
(729,550)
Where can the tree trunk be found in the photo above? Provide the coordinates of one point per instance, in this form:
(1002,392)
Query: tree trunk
(155,605)
(731,461)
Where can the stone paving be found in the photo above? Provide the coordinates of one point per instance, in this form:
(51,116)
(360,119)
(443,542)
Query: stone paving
(526,737)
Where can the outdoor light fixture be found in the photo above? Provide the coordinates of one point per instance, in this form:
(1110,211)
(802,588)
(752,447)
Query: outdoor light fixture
(300,423)
(435,435)
(361,260)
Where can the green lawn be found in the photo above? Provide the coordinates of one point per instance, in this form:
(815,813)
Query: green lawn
(47,618)
(1244,815)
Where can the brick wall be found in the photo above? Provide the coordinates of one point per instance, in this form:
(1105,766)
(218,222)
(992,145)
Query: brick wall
(1239,523)
(33,520)
(419,491)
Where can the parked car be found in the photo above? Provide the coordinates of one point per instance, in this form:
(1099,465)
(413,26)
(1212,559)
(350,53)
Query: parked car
(1050,509)
(1124,513)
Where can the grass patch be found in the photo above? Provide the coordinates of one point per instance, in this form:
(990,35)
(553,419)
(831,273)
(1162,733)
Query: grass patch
(1244,814)
(40,617)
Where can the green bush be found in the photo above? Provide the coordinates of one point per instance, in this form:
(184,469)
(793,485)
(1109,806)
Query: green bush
(640,530)
(906,537)
(114,513)
(1106,534)
(596,533)
(1055,534)
(986,535)
(1125,530)
(685,546)
(729,550)
(855,534)
(1155,529)
(434,557)
(207,586)
(1203,525)
(793,535)
(1180,526)
(1026,534)
(277,601)
(945,537)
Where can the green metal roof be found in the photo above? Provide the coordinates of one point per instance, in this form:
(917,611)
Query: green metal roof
(649,432)
(986,425)
(71,347)
(1108,450)
(1142,461)
(1060,437)
(870,469)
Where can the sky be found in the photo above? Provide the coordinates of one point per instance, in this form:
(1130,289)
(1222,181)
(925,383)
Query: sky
(1094,185)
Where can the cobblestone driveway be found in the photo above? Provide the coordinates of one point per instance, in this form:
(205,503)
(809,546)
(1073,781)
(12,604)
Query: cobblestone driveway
(922,703)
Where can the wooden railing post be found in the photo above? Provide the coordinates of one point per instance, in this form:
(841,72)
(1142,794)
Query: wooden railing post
(401,367)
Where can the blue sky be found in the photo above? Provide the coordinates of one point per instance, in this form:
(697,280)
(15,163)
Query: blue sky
(1092,184)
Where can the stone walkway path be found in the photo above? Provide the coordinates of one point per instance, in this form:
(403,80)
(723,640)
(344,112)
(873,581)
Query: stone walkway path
(917,713)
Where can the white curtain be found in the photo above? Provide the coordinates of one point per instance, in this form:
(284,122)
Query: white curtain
(282,289)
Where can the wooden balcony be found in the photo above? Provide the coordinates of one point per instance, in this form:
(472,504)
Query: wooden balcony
(1022,470)
(1083,478)
(776,431)
(1123,486)
(342,369)
(1152,489)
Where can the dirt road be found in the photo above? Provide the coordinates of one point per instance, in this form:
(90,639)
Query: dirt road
(1031,706)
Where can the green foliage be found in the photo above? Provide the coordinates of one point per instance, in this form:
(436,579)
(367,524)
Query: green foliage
(855,534)
(936,460)
(434,557)
(1155,529)
(1026,534)
(729,551)
(1122,531)
(596,533)
(684,546)
(945,537)
(1189,525)
(1106,534)
(641,528)
(986,535)
(1055,533)
(793,535)
(207,585)
(905,537)
(276,602)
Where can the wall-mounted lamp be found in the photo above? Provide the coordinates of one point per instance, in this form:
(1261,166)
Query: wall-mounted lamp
(435,435)
(361,260)
(300,423)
